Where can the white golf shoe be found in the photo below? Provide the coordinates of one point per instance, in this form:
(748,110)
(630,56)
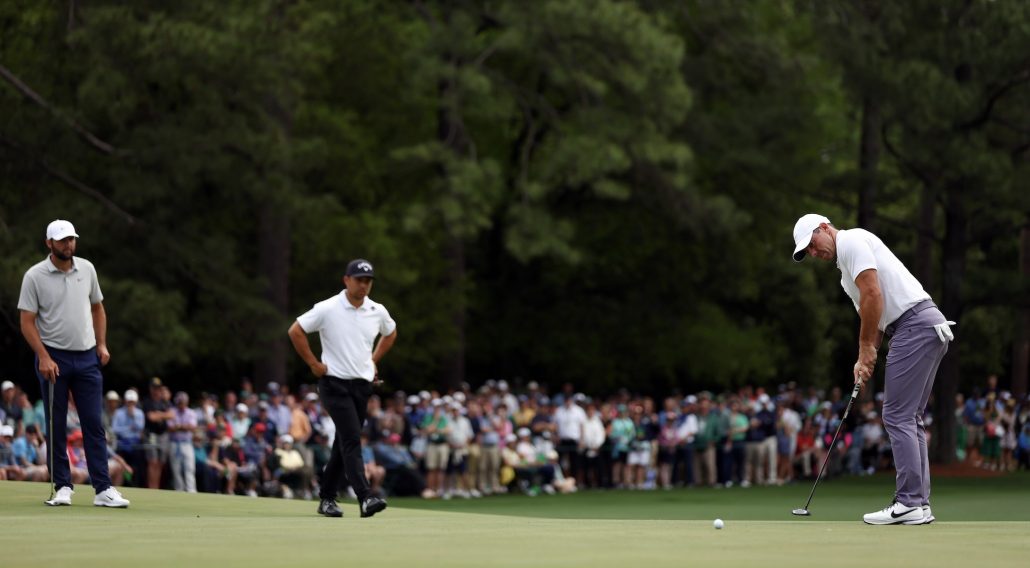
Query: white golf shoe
(62,498)
(895,514)
(110,497)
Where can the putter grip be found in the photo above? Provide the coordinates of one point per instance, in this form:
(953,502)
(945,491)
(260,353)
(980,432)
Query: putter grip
(854,397)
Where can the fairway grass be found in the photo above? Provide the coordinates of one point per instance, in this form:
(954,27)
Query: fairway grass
(986,523)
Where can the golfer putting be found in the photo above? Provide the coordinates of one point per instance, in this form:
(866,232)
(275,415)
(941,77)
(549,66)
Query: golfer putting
(890,301)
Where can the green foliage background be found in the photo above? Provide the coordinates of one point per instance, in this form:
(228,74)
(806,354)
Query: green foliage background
(599,191)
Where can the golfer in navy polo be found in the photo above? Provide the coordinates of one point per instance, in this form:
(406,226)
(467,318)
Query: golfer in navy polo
(890,301)
(347,325)
(63,320)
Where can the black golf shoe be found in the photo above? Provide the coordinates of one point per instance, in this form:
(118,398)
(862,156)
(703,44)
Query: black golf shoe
(329,508)
(371,506)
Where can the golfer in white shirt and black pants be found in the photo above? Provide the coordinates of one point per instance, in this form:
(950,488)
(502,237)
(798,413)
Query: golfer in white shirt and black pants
(347,325)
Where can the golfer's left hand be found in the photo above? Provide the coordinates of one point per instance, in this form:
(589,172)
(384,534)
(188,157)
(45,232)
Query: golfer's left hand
(104,355)
(865,364)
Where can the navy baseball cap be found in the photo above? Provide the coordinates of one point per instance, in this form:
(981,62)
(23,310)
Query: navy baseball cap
(359,267)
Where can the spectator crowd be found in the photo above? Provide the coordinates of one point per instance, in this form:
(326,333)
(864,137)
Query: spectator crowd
(472,443)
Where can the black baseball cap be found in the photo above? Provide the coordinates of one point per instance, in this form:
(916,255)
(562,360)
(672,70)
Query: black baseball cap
(359,267)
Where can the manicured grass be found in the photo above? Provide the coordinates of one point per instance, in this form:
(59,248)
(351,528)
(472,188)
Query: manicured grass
(625,529)
(847,499)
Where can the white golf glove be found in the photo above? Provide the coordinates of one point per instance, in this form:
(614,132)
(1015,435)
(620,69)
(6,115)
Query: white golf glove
(944,331)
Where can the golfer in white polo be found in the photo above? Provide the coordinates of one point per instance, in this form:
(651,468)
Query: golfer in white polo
(890,301)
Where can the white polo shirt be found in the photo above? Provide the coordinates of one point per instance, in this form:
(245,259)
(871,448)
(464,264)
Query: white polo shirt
(859,250)
(570,420)
(347,334)
(62,302)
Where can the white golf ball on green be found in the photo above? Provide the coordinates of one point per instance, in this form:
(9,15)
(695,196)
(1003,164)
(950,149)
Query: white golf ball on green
(718,524)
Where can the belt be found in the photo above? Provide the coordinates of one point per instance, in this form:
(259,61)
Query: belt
(892,327)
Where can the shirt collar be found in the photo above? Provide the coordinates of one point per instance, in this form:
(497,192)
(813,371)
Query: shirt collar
(52,268)
(346,302)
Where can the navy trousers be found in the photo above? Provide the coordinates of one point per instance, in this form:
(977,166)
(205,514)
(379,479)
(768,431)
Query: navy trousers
(80,375)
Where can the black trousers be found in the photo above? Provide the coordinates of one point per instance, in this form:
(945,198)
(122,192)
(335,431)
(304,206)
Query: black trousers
(347,403)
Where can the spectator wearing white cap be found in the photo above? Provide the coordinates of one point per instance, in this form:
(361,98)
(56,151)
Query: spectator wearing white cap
(128,424)
(183,460)
(533,471)
(436,426)
(9,468)
(569,419)
(10,412)
(64,322)
(240,421)
(112,401)
(765,458)
(459,439)
(290,469)
(492,430)
(507,397)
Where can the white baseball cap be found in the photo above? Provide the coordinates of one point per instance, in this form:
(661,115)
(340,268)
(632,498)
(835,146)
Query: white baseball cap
(131,396)
(60,229)
(6,385)
(803,230)
(6,430)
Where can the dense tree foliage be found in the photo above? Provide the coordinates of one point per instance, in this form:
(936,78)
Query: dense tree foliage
(595,191)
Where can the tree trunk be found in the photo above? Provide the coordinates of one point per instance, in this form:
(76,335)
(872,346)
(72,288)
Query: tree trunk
(274,232)
(868,163)
(454,363)
(923,263)
(954,261)
(274,265)
(451,133)
(1021,346)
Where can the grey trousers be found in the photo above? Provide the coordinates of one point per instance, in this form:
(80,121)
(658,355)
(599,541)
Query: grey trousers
(913,357)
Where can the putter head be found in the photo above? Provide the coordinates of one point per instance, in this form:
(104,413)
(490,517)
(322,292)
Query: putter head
(801,513)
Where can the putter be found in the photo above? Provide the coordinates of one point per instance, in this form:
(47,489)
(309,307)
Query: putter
(803,512)
(50,445)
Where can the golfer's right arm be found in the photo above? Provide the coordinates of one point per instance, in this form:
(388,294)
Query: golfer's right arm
(47,367)
(299,338)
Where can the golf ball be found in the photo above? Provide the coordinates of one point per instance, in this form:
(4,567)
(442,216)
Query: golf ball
(718,523)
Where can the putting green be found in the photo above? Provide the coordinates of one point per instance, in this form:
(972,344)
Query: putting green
(164,528)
